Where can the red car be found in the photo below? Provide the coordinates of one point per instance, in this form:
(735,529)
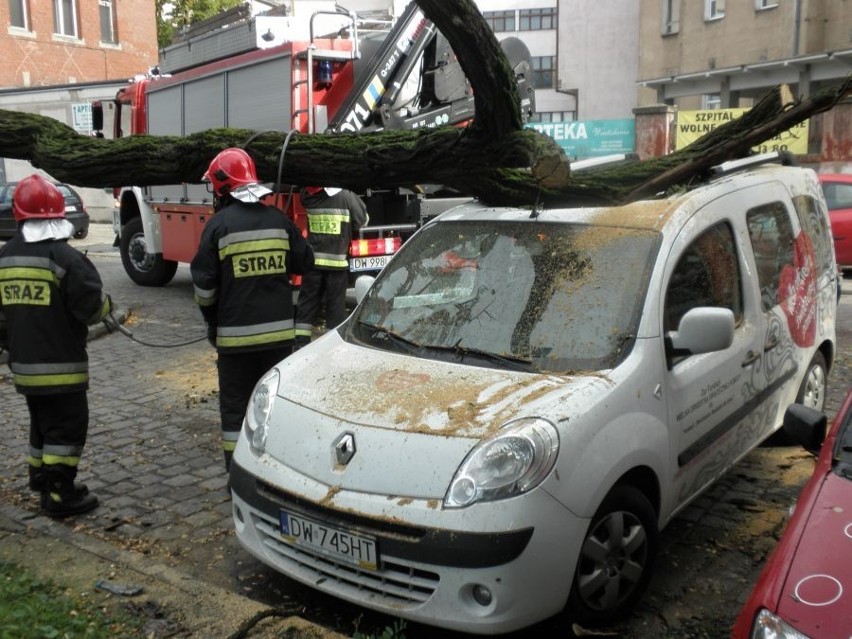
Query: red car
(805,589)
(838,195)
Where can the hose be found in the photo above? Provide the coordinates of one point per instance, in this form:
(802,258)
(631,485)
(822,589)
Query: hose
(113,324)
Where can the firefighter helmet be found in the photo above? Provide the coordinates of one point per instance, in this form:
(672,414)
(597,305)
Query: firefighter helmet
(36,198)
(230,169)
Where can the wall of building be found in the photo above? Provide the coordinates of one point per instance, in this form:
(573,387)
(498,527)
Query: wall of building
(38,56)
(598,56)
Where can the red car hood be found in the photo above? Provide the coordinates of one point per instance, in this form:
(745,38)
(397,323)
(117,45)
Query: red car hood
(817,594)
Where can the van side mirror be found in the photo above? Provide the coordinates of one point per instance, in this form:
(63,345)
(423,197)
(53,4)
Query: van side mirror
(806,426)
(704,329)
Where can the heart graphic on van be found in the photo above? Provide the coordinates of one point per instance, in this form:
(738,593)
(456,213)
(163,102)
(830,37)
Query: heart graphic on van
(797,292)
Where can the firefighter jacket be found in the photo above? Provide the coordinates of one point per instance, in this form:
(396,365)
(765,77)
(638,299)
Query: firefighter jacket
(332,220)
(241,274)
(49,293)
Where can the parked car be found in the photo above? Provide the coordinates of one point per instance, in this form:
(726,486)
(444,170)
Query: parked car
(805,587)
(837,188)
(523,397)
(75,211)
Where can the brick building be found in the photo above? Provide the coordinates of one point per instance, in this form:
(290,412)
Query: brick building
(54,42)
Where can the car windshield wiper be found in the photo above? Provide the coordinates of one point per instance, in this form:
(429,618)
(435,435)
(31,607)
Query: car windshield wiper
(511,361)
(410,345)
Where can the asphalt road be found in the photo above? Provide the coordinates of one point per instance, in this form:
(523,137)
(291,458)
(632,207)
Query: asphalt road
(153,459)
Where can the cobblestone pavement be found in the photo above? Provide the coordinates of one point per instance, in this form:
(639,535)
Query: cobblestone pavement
(153,460)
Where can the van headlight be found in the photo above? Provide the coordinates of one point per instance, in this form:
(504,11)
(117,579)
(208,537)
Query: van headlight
(512,462)
(256,422)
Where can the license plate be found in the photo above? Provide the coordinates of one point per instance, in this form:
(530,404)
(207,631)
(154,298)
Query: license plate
(358,550)
(375,263)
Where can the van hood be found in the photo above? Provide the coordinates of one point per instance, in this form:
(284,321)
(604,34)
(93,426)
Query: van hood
(388,390)
(410,422)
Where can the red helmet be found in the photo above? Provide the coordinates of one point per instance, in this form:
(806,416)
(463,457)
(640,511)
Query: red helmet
(230,169)
(36,198)
(313,190)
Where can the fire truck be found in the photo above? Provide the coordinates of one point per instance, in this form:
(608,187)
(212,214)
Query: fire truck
(405,77)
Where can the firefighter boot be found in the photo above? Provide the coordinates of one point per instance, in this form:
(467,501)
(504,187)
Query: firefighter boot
(60,498)
(37,482)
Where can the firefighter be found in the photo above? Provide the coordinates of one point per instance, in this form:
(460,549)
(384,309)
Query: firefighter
(49,293)
(334,215)
(241,274)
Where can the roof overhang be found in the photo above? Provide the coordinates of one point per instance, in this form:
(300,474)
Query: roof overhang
(756,77)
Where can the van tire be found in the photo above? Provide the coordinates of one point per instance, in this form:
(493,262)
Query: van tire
(143,267)
(814,385)
(613,573)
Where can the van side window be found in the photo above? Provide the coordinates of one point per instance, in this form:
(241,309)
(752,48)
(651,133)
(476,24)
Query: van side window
(707,274)
(771,234)
(813,218)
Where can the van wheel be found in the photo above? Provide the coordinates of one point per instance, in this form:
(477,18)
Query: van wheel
(814,386)
(616,559)
(143,267)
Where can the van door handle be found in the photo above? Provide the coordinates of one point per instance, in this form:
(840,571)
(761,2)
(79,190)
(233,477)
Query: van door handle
(772,343)
(750,358)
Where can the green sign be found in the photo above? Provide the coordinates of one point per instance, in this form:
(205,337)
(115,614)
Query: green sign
(590,138)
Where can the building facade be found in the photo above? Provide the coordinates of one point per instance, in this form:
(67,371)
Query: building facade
(52,42)
(61,55)
(712,53)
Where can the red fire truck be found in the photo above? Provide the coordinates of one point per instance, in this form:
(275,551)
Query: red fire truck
(410,79)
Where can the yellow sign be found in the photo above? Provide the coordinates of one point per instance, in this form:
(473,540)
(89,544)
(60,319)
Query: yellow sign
(692,125)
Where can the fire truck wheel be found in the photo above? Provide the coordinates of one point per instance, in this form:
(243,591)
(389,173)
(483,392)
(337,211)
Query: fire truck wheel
(143,267)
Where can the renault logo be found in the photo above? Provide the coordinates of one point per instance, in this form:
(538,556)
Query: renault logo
(344,448)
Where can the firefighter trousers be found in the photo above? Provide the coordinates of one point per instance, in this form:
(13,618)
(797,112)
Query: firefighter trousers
(238,374)
(326,288)
(59,424)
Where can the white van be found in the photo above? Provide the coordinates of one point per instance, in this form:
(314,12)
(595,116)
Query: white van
(523,398)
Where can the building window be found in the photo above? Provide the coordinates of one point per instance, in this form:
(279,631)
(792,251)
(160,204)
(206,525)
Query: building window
(554,116)
(65,18)
(543,72)
(107,13)
(711,101)
(759,5)
(18,14)
(671,17)
(714,9)
(500,20)
(537,19)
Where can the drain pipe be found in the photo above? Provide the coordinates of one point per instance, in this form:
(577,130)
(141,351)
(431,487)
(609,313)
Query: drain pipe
(797,27)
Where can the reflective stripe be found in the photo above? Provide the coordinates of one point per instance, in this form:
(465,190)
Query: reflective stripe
(206,297)
(340,263)
(68,379)
(34,461)
(56,460)
(253,340)
(62,450)
(247,241)
(233,336)
(32,262)
(229,447)
(229,440)
(39,369)
(64,374)
(23,273)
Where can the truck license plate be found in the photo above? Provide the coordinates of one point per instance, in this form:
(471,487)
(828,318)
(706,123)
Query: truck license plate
(375,263)
(358,550)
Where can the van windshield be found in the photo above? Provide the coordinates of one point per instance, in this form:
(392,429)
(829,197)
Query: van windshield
(543,297)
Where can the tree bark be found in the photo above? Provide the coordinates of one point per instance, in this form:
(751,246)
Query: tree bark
(494,159)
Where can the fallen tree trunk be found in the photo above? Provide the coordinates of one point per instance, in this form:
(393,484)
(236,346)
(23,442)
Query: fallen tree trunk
(495,159)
